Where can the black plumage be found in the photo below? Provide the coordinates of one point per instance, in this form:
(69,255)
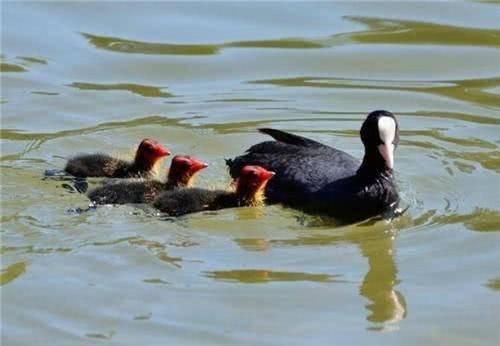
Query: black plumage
(321,179)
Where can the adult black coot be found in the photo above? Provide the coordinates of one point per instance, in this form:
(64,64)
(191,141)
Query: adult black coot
(320,179)
(250,186)
(102,165)
(182,173)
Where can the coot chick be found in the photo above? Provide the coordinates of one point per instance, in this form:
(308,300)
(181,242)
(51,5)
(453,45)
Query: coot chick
(320,179)
(182,172)
(102,165)
(250,186)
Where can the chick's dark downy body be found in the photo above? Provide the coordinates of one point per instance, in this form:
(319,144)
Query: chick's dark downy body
(249,192)
(136,191)
(185,201)
(183,170)
(104,165)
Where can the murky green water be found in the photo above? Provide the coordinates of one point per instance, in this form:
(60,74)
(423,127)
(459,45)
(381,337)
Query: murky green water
(200,78)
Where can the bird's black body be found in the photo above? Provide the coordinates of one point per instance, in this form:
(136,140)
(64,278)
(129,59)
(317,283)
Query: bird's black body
(190,200)
(103,165)
(320,179)
(122,192)
(302,166)
(355,198)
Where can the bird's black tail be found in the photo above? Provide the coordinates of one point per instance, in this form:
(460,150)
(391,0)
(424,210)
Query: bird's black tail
(289,138)
(229,162)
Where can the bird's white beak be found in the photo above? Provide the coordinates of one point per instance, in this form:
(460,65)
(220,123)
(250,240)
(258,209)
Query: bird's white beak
(387,132)
(387,152)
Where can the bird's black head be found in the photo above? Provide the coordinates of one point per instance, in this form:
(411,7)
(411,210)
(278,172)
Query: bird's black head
(380,136)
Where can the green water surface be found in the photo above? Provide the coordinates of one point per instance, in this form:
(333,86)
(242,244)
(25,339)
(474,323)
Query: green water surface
(201,78)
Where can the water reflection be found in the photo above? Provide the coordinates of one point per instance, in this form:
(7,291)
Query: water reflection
(494,284)
(386,304)
(263,276)
(253,244)
(12,272)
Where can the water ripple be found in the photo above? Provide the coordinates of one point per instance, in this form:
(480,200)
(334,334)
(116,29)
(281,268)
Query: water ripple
(471,90)
(4,67)
(121,45)
(263,276)
(142,90)
(380,30)
(17,135)
(480,219)
(383,30)
(33,60)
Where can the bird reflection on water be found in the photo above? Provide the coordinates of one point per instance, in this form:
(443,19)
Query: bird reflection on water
(386,305)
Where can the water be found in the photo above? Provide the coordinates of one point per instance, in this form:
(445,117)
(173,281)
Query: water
(200,78)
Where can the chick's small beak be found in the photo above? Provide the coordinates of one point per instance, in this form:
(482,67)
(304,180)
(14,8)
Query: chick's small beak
(198,165)
(267,175)
(387,152)
(161,151)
